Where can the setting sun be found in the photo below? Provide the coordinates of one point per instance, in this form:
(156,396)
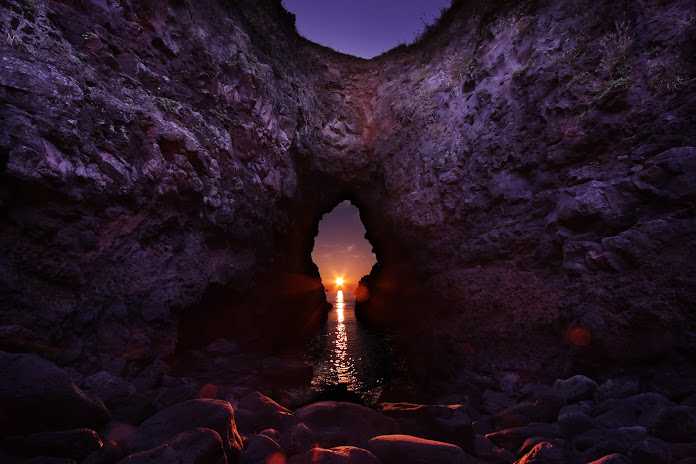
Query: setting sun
(339,281)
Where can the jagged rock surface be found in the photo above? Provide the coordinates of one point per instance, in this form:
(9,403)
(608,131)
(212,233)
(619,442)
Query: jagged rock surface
(526,175)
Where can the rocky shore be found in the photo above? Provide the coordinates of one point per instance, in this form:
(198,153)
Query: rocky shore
(49,417)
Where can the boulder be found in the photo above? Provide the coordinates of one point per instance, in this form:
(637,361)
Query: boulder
(612,459)
(110,453)
(120,396)
(493,402)
(259,449)
(405,449)
(202,413)
(651,450)
(195,446)
(449,424)
(77,444)
(576,388)
(299,440)
(334,424)
(544,453)
(532,442)
(485,450)
(541,407)
(637,410)
(264,413)
(338,455)
(621,440)
(675,424)
(37,396)
(575,423)
(617,388)
(512,439)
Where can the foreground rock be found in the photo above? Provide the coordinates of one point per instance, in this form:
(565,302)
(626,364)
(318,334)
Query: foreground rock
(512,439)
(576,388)
(260,449)
(405,449)
(260,412)
(338,455)
(37,396)
(202,413)
(329,424)
(449,424)
(196,446)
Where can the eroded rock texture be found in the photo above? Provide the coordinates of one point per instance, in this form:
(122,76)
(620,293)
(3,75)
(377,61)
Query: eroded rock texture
(526,175)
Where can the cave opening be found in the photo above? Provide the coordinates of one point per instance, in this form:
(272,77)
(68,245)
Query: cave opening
(352,359)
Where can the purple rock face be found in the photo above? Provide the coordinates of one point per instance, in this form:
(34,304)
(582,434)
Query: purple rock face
(525,175)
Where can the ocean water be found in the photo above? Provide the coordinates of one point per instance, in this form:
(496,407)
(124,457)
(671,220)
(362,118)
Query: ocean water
(348,355)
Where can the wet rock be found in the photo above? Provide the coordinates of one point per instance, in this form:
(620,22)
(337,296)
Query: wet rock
(259,449)
(110,453)
(299,440)
(543,407)
(35,395)
(264,413)
(612,459)
(338,455)
(404,449)
(512,439)
(651,450)
(617,388)
(543,453)
(120,396)
(112,390)
(530,443)
(198,445)
(619,440)
(449,424)
(676,424)
(640,410)
(482,426)
(493,402)
(485,450)
(334,424)
(76,444)
(573,424)
(169,395)
(202,413)
(576,388)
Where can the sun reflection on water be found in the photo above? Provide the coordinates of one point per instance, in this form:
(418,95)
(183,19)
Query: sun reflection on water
(342,362)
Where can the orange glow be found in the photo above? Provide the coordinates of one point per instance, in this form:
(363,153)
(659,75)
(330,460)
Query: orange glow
(362,294)
(579,336)
(276,458)
(339,281)
(209,390)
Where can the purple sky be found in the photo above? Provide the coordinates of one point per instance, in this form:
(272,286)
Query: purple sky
(363,28)
(341,249)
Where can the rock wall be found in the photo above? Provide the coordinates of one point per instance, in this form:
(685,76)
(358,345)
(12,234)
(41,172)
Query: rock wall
(525,173)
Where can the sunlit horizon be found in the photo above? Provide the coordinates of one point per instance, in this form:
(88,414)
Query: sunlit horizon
(341,252)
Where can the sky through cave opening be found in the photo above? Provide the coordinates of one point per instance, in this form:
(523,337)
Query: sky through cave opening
(341,251)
